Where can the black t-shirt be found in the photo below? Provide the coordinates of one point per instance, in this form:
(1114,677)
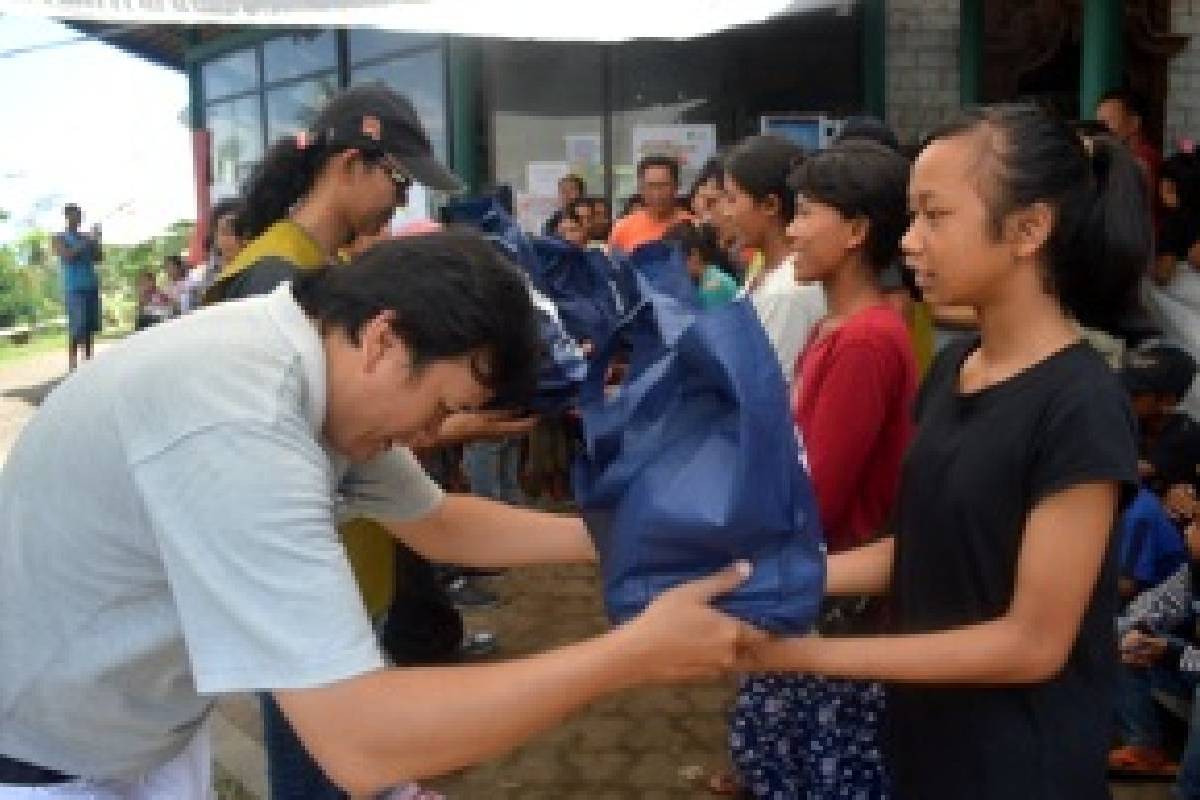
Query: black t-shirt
(978,466)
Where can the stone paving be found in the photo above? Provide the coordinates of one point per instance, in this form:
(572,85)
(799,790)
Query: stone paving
(648,744)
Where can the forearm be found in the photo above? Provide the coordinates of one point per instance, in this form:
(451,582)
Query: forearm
(474,531)
(863,570)
(405,724)
(998,652)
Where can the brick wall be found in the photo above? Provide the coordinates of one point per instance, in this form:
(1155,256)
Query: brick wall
(922,65)
(1183,93)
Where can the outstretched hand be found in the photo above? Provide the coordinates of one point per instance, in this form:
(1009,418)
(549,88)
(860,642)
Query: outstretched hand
(681,637)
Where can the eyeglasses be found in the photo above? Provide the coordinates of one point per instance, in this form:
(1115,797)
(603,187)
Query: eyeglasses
(398,176)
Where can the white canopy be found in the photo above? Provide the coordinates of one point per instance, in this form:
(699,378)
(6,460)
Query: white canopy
(606,21)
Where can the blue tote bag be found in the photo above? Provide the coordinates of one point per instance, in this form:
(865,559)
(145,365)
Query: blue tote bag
(694,463)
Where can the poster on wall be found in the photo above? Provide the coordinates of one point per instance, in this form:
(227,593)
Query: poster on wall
(418,208)
(585,156)
(541,177)
(532,210)
(691,145)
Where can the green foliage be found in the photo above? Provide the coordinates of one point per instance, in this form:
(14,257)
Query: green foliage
(31,284)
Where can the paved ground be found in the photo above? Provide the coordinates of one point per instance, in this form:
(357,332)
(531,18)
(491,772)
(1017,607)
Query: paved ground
(642,745)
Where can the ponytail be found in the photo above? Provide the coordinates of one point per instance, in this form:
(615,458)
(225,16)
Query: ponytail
(1102,240)
(285,174)
(1114,243)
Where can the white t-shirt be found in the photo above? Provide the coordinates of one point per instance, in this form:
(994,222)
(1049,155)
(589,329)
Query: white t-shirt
(788,310)
(1176,309)
(168,535)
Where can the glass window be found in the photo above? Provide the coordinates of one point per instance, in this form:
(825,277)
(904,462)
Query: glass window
(548,102)
(231,74)
(372,43)
(299,53)
(725,84)
(667,100)
(422,78)
(293,107)
(236,129)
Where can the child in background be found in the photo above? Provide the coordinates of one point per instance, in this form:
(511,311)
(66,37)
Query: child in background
(706,262)
(153,304)
(1149,547)
(1159,641)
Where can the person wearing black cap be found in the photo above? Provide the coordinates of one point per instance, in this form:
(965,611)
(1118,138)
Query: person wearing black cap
(315,192)
(1157,378)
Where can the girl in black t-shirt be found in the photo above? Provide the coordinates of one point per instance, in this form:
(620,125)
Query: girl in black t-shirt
(1001,591)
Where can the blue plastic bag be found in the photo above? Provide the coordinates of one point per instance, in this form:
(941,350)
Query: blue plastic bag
(694,463)
(581,283)
(664,267)
(563,367)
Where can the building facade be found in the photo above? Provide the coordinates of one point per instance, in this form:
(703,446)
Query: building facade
(522,113)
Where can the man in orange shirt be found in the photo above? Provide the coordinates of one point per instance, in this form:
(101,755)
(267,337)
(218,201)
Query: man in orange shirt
(658,183)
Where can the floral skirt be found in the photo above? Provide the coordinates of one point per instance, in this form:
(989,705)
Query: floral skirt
(800,737)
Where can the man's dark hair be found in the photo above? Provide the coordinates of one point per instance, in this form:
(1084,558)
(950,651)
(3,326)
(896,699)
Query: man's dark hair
(1134,102)
(862,180)
(575,179)
(666,162)
(578,203)
(72,208)
(453,295)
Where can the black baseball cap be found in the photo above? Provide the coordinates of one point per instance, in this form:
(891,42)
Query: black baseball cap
(374,118)
(1159,369)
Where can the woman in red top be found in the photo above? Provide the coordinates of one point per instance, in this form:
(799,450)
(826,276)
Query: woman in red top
(798,735)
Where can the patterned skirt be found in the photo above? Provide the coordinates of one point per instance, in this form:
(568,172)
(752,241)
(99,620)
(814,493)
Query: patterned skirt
(800,737)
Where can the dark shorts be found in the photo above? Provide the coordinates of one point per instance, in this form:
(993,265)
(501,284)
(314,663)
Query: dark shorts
(83,313)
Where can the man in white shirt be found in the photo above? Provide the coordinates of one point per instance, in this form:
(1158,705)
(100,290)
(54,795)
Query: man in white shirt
(200,557)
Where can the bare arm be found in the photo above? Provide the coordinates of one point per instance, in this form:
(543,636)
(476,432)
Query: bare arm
(863,570)
(1064,544)
(373,731)
(475,531)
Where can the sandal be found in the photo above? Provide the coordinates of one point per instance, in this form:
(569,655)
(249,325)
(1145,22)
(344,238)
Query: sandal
(724,783)
(1142,762)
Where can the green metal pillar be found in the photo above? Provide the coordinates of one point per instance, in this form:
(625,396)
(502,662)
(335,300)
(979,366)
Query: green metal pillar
(970,52)
(874,63)
(464,69)
(1102,61)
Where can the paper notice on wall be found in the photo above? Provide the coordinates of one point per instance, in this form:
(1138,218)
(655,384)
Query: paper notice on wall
(541,177)
(418,208)
(690,145)
(585,152)
(532,210)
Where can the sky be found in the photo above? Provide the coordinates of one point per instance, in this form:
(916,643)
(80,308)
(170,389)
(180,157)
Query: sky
(88,124)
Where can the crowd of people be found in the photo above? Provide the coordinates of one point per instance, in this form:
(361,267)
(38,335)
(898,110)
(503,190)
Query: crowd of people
(1010,516)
